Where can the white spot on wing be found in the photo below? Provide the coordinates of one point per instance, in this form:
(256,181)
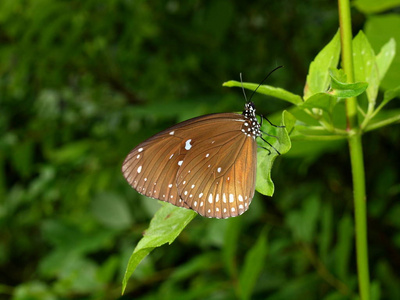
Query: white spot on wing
(140,168)
(233,209)
(210,198)
(200,195)
(231,198)
(140,149)
(240,198)
(171,156)
(170,185)
(180,162)
(219,170)
(172,132)
(187,145)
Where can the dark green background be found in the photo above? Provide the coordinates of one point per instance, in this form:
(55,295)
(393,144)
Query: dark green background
(83,82)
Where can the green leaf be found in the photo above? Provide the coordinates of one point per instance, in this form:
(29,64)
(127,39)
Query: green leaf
(267,90)
(387,97)
(373,6)
(253,265)
(323,101)
(379,30)
(265,159)
(385,57)
(342,89)
(338,74)
(164,228)
(318,77)
(365,67)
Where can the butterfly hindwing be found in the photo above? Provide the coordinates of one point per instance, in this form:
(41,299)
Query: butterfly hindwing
(219,180)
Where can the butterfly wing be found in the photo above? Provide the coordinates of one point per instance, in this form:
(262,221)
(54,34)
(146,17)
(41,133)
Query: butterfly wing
(207,164)
(218,181)
(151,167)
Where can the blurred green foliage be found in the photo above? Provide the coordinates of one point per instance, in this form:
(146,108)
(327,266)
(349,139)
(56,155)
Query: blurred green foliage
(83,82)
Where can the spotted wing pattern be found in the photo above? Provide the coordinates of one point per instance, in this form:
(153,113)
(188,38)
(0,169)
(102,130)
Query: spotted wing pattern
(207,164)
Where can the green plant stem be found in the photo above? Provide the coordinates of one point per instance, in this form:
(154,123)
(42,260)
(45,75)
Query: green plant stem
(356,155)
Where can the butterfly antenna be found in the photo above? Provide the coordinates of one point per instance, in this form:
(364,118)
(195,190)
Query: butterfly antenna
(261,81)
(241,82)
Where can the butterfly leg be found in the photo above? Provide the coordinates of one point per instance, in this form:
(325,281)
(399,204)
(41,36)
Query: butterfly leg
(270,146)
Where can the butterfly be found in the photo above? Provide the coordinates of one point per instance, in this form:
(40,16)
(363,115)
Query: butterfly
(207,164)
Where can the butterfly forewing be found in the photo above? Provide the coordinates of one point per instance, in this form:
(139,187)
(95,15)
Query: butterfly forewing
(151,169)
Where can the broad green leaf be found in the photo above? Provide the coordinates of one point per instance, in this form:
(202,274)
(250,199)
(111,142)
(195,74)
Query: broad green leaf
(302,131)
(373,6)
(385,57)
(365,67)
(164,228)
(318,77)
(253,265)
(342,89)
(266,157)
(379,30)
(267,90)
